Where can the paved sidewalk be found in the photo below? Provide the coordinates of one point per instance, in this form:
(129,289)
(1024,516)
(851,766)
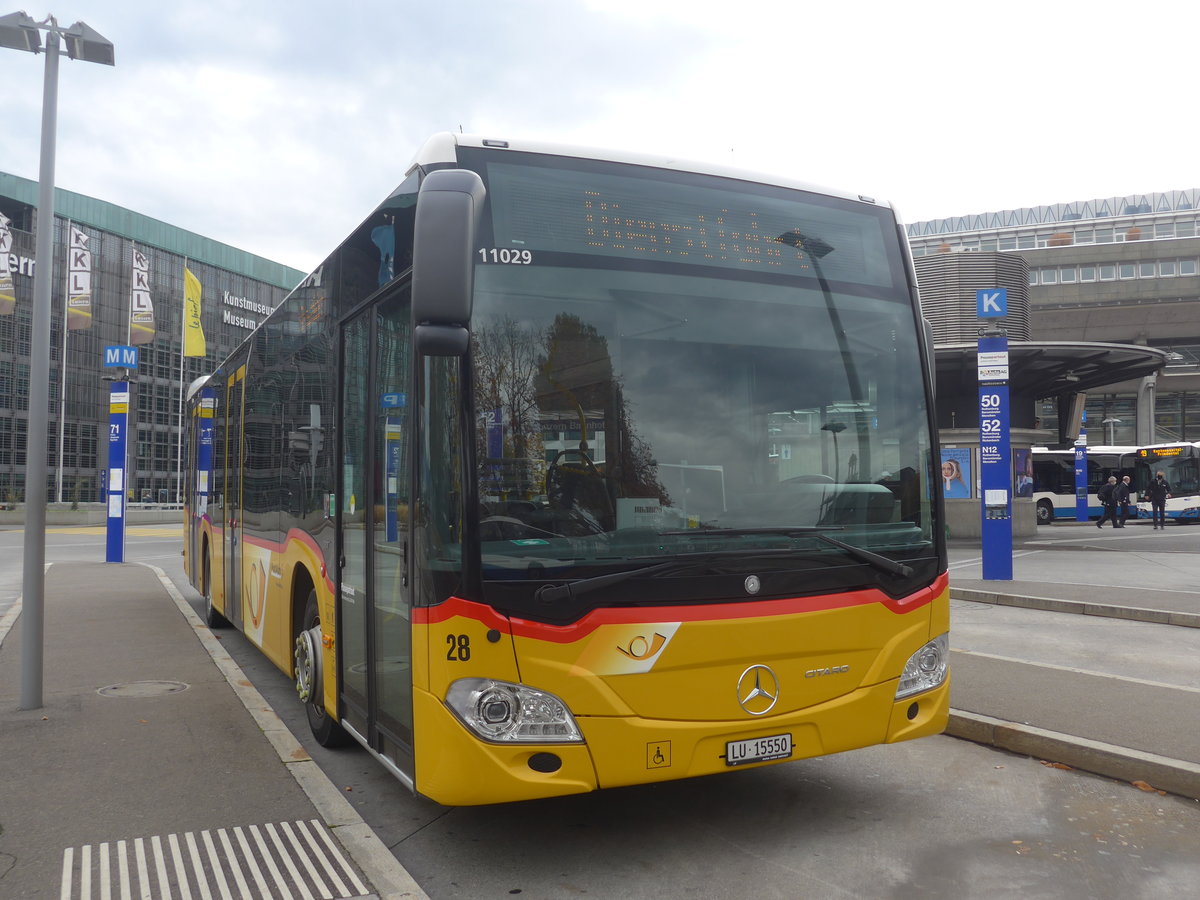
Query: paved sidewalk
(153,764)
(1130,730)
(153,760)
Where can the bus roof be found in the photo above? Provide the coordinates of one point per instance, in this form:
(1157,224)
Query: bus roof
(441,149)
(196,385)
(1091,448)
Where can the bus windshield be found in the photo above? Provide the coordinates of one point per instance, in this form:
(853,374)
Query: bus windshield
(1180,464)
(674,366)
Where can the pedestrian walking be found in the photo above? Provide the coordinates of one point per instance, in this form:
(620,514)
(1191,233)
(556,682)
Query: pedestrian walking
(1158,491)
(1125,496)
(1108,501)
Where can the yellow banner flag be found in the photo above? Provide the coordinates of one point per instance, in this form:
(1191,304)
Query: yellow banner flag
(193,331)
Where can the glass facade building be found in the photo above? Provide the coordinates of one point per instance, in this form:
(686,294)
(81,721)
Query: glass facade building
(239,289)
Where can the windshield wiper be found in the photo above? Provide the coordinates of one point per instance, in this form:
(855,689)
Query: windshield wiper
(550,593)
(760,529)
(877,560)
(818,531)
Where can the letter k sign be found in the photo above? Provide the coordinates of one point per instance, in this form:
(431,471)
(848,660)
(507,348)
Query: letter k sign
(991,303)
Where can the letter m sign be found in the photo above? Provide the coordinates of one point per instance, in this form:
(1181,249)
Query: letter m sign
(119,357)
(991,303)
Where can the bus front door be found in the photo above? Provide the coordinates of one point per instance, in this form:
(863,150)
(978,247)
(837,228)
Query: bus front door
(375,596)
(235,395)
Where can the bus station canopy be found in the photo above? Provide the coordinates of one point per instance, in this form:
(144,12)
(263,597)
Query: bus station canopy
(1040,369)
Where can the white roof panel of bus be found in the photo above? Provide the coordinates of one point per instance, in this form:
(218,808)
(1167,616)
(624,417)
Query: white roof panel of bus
(440,148)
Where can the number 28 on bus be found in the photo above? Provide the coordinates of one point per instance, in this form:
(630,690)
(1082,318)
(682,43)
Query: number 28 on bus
(568,470)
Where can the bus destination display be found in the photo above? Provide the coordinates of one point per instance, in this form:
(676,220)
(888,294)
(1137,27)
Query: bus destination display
(1159,452)
(640,218)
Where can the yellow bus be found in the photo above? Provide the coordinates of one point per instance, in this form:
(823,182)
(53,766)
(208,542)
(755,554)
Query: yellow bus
(572,469)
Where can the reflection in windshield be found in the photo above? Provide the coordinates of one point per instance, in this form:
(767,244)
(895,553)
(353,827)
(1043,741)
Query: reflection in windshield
(604,426)
(560,450)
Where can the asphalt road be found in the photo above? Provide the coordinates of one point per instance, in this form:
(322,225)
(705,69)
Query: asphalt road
(933,818)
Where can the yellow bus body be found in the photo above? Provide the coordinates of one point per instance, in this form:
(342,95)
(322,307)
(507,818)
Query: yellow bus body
(670,714)
(268,580)
(654,691)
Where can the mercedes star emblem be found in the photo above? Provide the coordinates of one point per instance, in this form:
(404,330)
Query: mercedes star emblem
(758,690)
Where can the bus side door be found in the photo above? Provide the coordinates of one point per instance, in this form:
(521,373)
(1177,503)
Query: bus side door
(375,636)
(234,459)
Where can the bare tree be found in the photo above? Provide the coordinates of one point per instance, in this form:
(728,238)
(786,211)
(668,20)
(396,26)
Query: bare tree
(506,354)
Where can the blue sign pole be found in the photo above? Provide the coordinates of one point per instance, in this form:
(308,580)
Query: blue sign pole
(1082,512)
(394,404)
(204,452)
(995,450)
(118,418)
(395,437)
(995,478)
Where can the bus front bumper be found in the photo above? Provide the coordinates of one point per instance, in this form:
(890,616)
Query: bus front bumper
(456,769)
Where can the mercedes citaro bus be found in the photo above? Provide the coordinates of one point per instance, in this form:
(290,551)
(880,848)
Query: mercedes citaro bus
(571,469)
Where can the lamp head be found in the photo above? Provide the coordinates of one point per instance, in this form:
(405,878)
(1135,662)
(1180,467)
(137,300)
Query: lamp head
(19,31)
(84,42)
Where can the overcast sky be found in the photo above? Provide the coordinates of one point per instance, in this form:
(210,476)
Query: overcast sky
(276,127)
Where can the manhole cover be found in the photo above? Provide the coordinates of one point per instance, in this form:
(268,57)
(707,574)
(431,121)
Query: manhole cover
(143,689)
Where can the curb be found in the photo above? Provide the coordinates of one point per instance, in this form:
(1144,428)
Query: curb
(1080,607)
(390,879)
(1162,773)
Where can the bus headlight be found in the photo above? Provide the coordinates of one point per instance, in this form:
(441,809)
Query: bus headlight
(511,713)
(926,668)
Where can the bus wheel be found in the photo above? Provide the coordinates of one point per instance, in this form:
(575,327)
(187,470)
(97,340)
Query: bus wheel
(309,681)
(1045,512)
(212,618)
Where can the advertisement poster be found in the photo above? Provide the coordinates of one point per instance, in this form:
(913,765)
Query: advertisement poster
(956,473)
(1023,472)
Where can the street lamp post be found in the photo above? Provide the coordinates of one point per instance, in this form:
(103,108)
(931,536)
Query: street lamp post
(19,31)
(835,428)
(1112,424)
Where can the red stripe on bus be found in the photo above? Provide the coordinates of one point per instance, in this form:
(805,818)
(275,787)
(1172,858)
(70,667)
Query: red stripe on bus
(278,547)
(458,607)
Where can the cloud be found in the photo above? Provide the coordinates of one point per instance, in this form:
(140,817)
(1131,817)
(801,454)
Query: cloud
(277,127)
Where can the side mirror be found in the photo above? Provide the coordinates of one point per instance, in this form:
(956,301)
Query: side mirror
(449,207)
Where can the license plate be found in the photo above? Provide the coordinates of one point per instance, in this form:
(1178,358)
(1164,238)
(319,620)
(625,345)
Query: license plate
(754,750)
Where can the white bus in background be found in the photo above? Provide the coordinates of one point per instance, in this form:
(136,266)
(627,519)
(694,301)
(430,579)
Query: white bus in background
(1054,479)
(1180,465)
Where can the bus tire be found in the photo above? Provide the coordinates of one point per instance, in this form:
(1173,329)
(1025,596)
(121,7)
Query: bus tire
(309,686)
(1045,512)
(212,618)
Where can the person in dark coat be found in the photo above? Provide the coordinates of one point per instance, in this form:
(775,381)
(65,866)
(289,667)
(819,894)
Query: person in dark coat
(1125,496)
(1158,492)
(1108,501)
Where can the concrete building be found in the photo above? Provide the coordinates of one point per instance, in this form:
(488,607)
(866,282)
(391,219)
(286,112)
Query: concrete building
(1118,270)
(1104,303)
(239,289)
